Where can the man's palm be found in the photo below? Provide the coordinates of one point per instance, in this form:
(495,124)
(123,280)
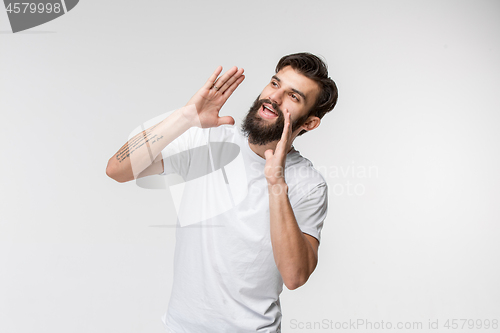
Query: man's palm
(211,97)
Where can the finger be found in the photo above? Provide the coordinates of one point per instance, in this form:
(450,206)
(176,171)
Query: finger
(223,79)
(231,80)
(212,78)
(268,154)
(281,146)
(290,127)
(233,87)
(286,128)
(226,120)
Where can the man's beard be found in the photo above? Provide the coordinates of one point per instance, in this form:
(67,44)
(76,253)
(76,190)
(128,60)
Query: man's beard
(260,133)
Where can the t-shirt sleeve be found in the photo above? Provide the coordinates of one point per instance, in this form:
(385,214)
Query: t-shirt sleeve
(177,154)
(310,212)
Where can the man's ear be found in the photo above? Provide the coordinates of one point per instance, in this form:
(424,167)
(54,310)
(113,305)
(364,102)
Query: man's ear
(311,123)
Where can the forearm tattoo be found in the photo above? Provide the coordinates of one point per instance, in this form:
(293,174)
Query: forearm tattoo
(137,142)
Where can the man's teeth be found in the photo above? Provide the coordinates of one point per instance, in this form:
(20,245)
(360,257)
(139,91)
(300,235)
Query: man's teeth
(269,109)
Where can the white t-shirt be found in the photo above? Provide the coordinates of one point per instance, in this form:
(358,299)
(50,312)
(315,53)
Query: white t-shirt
(225,276)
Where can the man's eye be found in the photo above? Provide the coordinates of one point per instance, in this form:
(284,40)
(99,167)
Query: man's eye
(274,84)
(295,97)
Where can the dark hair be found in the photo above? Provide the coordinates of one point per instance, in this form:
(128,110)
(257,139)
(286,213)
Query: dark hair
(315,69)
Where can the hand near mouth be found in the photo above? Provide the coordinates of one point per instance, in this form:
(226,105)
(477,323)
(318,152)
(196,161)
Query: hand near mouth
(274,169)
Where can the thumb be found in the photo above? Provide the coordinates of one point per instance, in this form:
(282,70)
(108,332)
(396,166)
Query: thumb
(268,154)
(227,120)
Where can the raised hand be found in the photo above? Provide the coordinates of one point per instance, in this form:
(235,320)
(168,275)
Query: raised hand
(274,169)
(211,97)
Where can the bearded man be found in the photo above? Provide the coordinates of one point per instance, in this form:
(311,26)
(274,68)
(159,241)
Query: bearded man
(250,207)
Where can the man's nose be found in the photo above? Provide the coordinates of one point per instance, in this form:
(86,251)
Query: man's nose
(276,97)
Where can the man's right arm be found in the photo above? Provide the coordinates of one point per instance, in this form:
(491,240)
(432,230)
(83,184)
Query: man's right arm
(141,156)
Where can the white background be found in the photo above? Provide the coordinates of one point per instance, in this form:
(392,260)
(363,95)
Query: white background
(417,239)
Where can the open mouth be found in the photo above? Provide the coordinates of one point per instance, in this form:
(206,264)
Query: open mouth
(267,112)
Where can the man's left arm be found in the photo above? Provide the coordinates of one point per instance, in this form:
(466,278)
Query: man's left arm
(295,253)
